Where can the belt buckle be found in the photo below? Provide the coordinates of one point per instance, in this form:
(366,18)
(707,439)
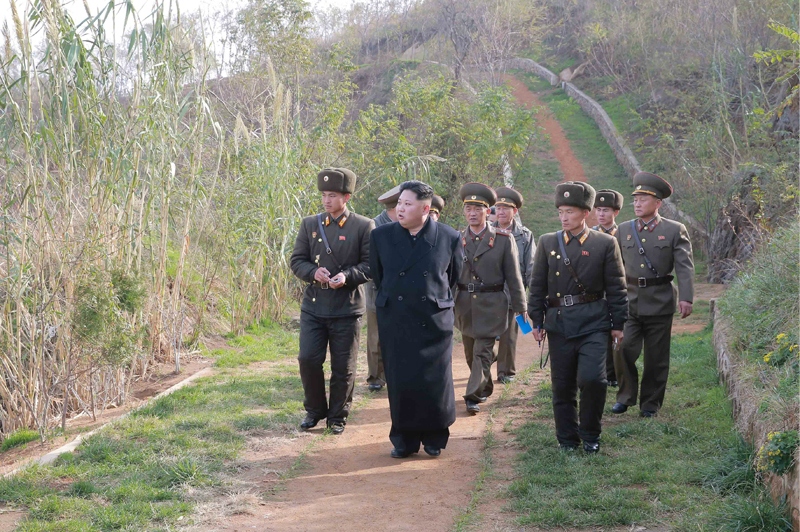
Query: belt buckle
(324,286)
(568,302)
(471,287)
(642,282)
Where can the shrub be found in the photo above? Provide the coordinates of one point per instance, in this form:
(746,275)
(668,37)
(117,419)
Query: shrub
(777,453)
(20,437)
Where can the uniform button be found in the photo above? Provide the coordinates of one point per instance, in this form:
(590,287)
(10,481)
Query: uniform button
(399,298)
(402,274)
(424,298)
(320,240)
(558,294)
(558,273)
(474,296)
(558,256)
(424,274)
(314,299)
(641,265)
(475,259)
(424,324)
(559,312)
(644,240)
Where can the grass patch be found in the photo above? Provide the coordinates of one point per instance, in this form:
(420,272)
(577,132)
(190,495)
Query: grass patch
(265,342)
(687,468)
(134,475)
(18,438)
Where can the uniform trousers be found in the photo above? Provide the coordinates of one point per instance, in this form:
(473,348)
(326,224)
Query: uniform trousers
(578,364)
(611,372)
(341,335)
(654,332)
(408,441)
(375,374)
(507,349)
(479,353)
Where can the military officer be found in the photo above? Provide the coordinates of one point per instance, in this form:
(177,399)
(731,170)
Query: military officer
(607,205)
(652,248)
(331,254)
(376,379)
(577,295)
(490,263)
(509,201)
(437,206)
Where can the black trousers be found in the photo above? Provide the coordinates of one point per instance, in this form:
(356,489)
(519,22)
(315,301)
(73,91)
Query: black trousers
(611,372)
(408,441)
(578,364)
(655,333)
(316,336)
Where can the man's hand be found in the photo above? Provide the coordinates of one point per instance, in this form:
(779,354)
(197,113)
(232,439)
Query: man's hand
(338,280)
(524,315)
(322,275)
(617,336)
(686,308)
(538,335)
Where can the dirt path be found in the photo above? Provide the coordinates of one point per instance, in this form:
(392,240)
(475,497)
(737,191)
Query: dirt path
(352,483)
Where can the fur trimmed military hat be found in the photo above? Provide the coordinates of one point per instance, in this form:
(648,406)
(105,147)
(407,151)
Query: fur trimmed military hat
(575,194)
(437,204)
(477,194)
(509,197)
(336,180)
(608,198)
(647,183)
(389,199)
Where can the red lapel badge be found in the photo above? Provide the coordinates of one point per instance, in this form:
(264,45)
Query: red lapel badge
(586,253)
(662,237)
(314,234)
(629,237)
(341,237)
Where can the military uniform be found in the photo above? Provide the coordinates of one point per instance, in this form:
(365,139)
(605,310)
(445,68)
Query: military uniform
(652,297)
(437,206)
(331,318)
(507,347)
(612,199)
(577,317)
(490,263)
(376,377)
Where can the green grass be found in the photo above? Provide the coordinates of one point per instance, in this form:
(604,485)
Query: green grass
(265,342)
(536,179)
(19,438)
(687,468)
(134,475)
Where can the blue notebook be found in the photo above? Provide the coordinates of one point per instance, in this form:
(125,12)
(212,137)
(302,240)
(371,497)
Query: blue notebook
(524,326)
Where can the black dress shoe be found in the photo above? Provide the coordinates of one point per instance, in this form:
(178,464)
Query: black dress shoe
(309,422)
(432,451)
(567,447)
(482,399)
(648,413)
(336,427)
(397,453)
(591,447)
(473,408)
(613,384)
(375,387)
(619,408)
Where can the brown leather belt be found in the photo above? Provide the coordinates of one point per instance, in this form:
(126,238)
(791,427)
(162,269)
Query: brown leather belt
(472,287)
(568,301)
(644,282)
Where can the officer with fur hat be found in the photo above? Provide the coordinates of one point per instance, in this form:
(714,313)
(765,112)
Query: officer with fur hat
(376,379)
(652,248)
(577,295)
(490,264)
(331,254)
(607,204)
(509,201)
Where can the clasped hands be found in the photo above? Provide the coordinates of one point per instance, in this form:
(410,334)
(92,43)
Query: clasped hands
(322,275)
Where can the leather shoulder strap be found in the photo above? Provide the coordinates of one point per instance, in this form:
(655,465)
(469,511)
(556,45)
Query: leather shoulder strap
(328,249)
(641,248)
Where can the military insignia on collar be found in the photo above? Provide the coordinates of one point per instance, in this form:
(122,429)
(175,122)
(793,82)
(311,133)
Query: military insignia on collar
(491,242)
(327,221)
(566,194)
(566,238)
(342,221)
(613,231)
(584,237)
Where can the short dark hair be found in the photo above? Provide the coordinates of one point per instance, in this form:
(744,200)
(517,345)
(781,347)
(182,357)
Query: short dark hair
(422,190)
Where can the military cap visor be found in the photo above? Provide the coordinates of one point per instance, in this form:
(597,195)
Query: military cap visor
(477,194)
(651,184)
(437,204)
(575,194)
(608,198)
(509,197)
(336,180)
(390,198)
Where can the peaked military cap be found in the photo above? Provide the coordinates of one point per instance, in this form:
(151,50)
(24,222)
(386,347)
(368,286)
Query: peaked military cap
(647,183)
(575,194)
(477,194)
(437,204)
(336,180)
(389,198)
(509,197)
(608,198)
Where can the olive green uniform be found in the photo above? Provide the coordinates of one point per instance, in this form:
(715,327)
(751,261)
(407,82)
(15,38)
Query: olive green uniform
(611,374)
(652,305)
(482,305)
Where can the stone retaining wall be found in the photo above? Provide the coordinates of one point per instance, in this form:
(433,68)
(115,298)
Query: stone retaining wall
(746,414)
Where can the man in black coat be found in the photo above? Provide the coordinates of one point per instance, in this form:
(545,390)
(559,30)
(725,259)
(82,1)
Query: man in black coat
(415,265)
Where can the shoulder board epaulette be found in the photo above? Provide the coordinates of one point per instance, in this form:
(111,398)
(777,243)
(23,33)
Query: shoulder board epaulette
(502,232)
